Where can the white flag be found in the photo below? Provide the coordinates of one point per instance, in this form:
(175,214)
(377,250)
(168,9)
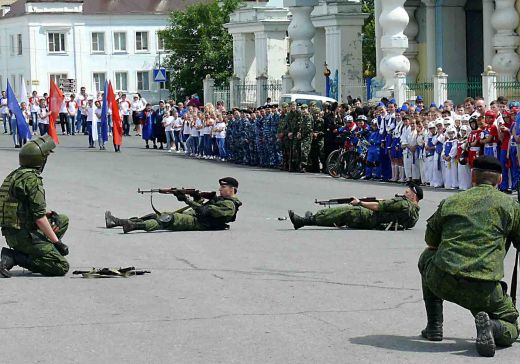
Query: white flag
(23,92)
(94,129)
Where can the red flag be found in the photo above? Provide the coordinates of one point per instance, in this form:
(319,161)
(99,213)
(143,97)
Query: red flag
(55,102)
(116,117)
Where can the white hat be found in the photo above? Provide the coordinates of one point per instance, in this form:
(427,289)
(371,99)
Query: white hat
(431,124)
(447,120)
(466,117)
(465,128)
(439,121)
(457,117)
(451,129)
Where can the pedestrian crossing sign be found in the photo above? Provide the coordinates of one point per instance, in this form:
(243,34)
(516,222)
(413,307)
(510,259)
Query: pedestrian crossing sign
(159,75)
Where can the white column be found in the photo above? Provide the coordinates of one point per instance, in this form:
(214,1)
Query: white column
(208,85)
(411,32)
(276,54)
(489,87)
(379,53)
(394,43)
(239,55)
(488,7)
(505,19)
(400,87)
(440,87)
(261,53)
(301,31)
(430,38)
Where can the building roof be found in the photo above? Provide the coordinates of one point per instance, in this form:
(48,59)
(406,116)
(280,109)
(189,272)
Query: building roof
(111,7)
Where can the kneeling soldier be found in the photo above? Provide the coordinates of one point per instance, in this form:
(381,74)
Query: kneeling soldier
(400,212)
(215,214)
(33,233)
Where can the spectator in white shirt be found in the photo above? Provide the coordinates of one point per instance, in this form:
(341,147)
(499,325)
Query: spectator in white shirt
(167,122)
(177,130)
(137,114)
(43,117)
(96,124)
(34,102)
(63,118)
(90,109)
(220,134)
(71,114)
(125,106)
(6,114)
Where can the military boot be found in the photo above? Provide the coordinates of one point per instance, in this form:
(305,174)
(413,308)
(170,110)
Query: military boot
(133,225)
(433,330)
(485,334)
(298,221)
(7,262)
(112,221)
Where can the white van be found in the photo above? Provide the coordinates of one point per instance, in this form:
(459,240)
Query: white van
(306,99)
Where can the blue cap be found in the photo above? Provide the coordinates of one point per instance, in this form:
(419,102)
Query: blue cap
(404,108)
(433,104)
(418,98)
(441,107)
(392,101)
(418,109)
(380,104)
(398,109)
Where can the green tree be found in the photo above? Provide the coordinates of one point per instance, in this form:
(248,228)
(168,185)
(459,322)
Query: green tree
(369,40)
(199,45)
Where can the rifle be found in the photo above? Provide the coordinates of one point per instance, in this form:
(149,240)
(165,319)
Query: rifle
(111,273)
(196,194)
(343,201)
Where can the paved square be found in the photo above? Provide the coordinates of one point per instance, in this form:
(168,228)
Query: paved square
(258,293)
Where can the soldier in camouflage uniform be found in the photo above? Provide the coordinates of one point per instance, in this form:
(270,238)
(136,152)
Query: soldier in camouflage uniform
(212,215)
(401,212)
(293,123)
(231,138)
(250,132)
(273,141)
(283,140)
(33,233)
(266,137)
(259,137)
(317,153)
(306,138)
(468,237)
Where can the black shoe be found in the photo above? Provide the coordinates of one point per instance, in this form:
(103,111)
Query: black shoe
(509,191)
(154,146)
(17,146)
(485,340)
(299,221)
(434,313)
(131,226)
(147,146)
(7,262)
(112,221)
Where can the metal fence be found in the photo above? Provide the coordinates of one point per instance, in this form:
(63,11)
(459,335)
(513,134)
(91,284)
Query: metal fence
(424,89)
(222,94)
(359,89)
(510,89)
(247,95)
(273,89)
(458,91)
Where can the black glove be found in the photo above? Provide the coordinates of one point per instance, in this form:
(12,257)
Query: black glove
(62,248)
(180,196)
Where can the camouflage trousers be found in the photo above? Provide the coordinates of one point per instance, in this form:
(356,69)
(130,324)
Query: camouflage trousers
(177,222)
(354,217)
(43,256)
(476,296)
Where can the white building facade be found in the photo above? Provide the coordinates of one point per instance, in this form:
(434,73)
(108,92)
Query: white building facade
(60,40)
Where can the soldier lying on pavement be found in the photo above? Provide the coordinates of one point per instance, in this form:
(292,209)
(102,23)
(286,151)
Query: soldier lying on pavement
(214,214)
(400,212)
(33,233)
(468,238)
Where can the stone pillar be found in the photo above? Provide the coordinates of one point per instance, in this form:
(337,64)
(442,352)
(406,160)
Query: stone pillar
(400,88)
(489,87)
(505,19)
(261,53)
(244,58)
(440,87)
(394,43)
(208,85)
(301,31)
(379,53)
(430,39)
(287,83)
(488,8)
(234,95)
(261,90)
(411,32)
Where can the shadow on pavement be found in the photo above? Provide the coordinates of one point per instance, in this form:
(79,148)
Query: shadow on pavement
(417,344)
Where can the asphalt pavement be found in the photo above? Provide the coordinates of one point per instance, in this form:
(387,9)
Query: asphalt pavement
(257,293)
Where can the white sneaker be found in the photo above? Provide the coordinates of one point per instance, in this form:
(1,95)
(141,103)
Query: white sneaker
(179,151)
(169,150)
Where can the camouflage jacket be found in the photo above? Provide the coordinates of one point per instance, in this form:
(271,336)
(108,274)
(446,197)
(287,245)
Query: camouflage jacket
(472,232)
(22,199)
(398,209)
(217,211)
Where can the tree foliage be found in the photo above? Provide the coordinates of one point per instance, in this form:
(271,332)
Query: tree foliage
(198,45)
(369,39)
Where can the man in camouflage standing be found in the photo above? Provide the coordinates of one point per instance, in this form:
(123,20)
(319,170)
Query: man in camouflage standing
(305,138)
(283,140)
(316,154)
(33,233)
(467,239)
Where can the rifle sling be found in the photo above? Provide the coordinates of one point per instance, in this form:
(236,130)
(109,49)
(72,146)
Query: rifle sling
(514,279)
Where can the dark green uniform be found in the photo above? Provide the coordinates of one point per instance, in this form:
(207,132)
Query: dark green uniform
(306,140)
(22,199)
(213,215)
(316,154)
(292,145)
(398,210)
(468,237)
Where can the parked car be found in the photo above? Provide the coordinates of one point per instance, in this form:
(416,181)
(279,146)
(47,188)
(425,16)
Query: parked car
(306,99)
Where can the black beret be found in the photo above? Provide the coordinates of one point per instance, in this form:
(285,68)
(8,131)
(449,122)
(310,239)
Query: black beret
(487,163)
(417,190)
(228,181)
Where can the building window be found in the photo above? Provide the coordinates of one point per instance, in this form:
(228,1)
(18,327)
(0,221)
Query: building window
(13,83)
(164,85)
(56,42)
(20,45)
(143,81)
(141,41)
(121,81)
(160,42)
(11,44)
(58,78)
(119,42)
(98,42)
(99,81)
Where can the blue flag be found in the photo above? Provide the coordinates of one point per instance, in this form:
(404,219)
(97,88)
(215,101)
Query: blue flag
(21,124)
(104,114)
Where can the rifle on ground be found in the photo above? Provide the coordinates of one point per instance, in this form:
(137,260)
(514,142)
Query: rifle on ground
(111,273)
(196,194)
(343,201)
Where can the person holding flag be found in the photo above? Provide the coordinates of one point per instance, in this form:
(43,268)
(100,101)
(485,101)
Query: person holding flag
(103,118)
(117,132)
(55,101)
(19,126)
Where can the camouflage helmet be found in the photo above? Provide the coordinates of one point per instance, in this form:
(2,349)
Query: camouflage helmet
(34,153)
